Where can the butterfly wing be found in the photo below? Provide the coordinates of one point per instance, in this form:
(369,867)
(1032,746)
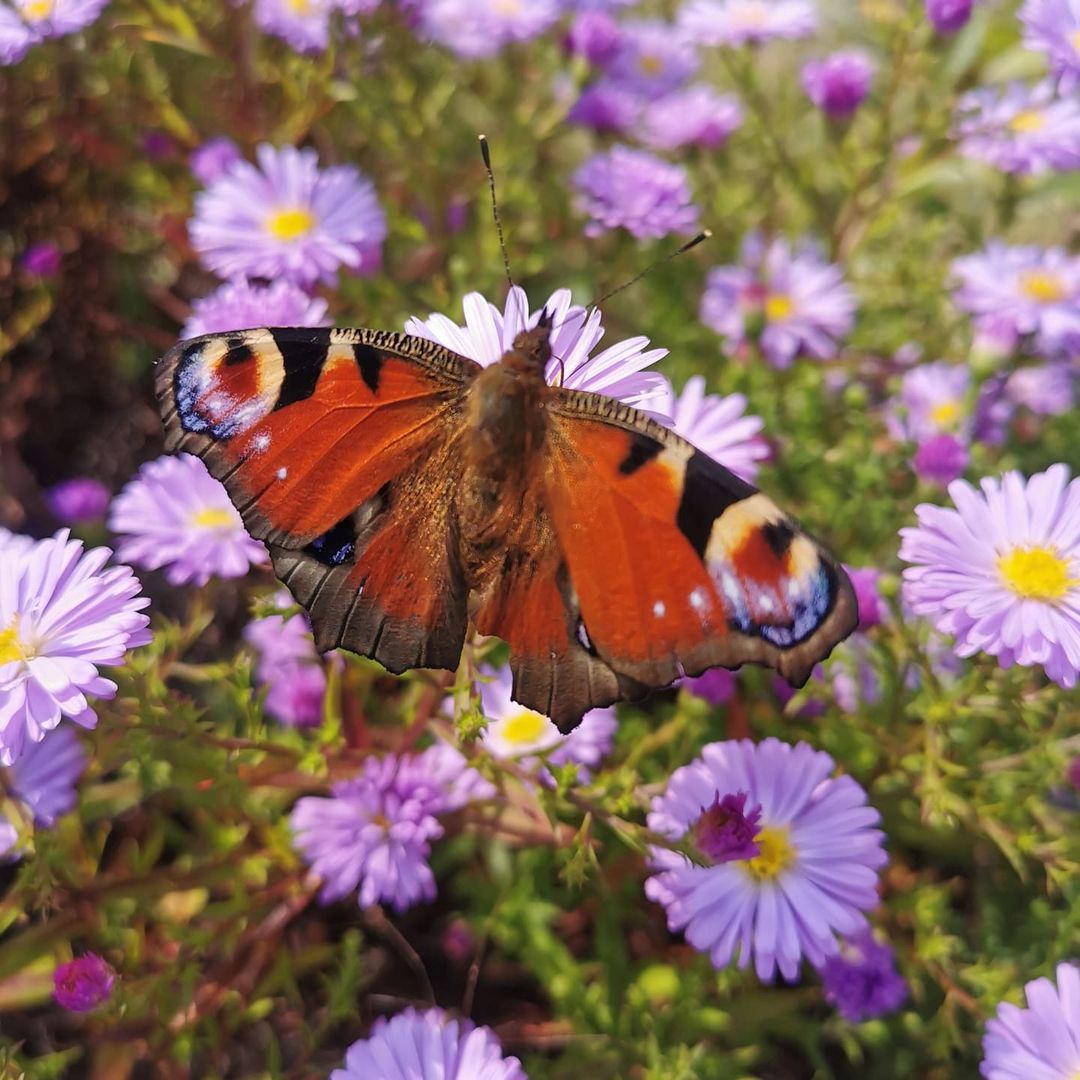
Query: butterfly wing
(338,449)
(673,564)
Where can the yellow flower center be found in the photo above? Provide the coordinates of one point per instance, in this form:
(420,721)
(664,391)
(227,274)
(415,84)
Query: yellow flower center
(524,728)
(776,856)
(778,306)
(10,648)
(1028,120)
(1037,573)
(213,517)
(946,413)
(650,65)
(290,223)
(300,7)
(507,7)
(37,10)
(1042,285)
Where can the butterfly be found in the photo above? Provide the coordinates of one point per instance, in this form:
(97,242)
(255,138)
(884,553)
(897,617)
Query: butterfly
(403,490)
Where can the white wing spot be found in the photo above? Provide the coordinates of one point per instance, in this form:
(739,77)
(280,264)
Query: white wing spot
(261,442)
(282,473)
(698,599)
(765,603)
(658,609)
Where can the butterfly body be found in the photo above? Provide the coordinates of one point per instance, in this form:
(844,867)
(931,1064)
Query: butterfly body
(404,491)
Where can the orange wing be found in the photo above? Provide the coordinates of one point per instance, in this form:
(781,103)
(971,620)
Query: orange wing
(673,565)
(338,448)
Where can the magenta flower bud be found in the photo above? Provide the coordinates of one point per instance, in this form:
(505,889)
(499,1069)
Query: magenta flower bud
(864,580)
(838,85)
(948,15)
(78,501)
(83,983)
(725,833)
(41,259)
(214,158)
(940,459)
(594,36)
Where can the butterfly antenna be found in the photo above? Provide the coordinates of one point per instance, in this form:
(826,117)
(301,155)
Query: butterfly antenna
(485,151)
(700,238)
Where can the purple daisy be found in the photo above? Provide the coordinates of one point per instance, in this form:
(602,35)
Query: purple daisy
(747,22)
(373,834)
(1037,290)
(1041,1042)
(44,778)
(62,614)
(1047,389)
(606,107)
(941,459)
(241,305)
(696,116)
(861,981)
(838,85)
(652,58)
(1053,27)
(28,22)
(792,301)
(175,515)
(84,983)
(287,218)
(1001,572)
(214,158)
(633,190)
(948,16)
(14,544)
(933,400)
(716,686)
(864,580)
(478,28)
(78,501)
(815,873)
(1019,128)
(428,1045)
(304,24)
(594,36)
(617,371)
(719,427)
(41,260)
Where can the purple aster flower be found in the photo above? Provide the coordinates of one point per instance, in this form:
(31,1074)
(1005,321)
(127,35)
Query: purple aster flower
(696,116)
(948,16)
(933,400)
(606,107)
(14,544)
(1046,389)
(864,580)
(84,983)
(1001,572)
(44,778)
(716,686)
(633,190)
(62,614)
(78,501)
(1041,1042)
(288,219)
(373,834)
(214,158)
(652,58)
(1037,290)
(814,876)
(941,459)
(428,1045)
(175,515)
(594,36)
(1053,27)
(241,305)
(838,85)
(747,22)
(617,371)
(42,260)
(725,831)
(477,28)
(861,981)
(28,22)
(792,301)
(303,24)
(1018,128)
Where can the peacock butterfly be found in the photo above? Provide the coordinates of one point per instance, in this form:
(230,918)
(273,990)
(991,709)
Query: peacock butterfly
(403,490)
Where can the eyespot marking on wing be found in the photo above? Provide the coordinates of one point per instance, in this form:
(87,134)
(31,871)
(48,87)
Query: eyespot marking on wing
(336,545)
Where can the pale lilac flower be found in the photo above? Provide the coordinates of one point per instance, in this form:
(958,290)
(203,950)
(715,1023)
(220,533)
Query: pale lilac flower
(633,190)
(304,24)
(41,260)
(838,85)
(861,981)
(948,16)
(593,35)
(14,544)
(696,116)
(1019,128)
(84,983)
(1001,572)
(1037,290)
(1053,27)
(242,305)
(747,22)
(606,107)
(1041,1042)
(1046,389)
(214,158)
(62,615)
(478,28)
(652,58)
(933,400)
(617,371)
(79,500)
(44,778)
(29,22)
(814,876)
(720,427)
(287,218)
(175,515)
(791,300)
(373,834)
(428,1045)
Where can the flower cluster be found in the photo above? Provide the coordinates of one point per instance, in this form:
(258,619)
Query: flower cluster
(26,23)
